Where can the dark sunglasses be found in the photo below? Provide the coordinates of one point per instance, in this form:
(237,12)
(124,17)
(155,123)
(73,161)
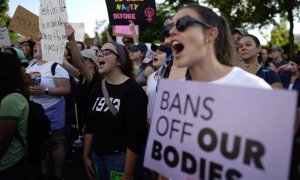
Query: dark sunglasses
(127,42)
(182,24)
(105,52)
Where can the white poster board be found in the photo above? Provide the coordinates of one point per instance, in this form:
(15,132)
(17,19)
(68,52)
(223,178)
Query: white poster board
(100,25)
(207,131)
(79,31)
(53,16)
(4,38)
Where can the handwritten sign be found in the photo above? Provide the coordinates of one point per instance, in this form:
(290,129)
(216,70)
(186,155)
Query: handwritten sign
(208,131)
(123,30)
(139,11)
(79,31)
(26,23)
(53,16)
(4,38)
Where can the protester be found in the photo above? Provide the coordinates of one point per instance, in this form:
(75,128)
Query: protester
(14,111)
(81,92)
(201,40)
(27,48)
(19,53)
(237,34)
(48,90)
(249,51)
(112,145)
(160,55)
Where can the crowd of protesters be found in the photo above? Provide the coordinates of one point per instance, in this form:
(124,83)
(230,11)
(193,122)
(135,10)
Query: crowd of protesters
(114,87)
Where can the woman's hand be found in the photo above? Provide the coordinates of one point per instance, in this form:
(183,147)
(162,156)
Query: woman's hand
(70,32)
(89,168)
(36,89)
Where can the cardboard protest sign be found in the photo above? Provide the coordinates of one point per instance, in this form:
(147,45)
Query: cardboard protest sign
(140,12)
(4,38)
(79,31)
(124,30)
(207,131)
(53,16)
(25,23)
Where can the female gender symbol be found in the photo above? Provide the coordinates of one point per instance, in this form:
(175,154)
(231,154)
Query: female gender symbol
(149,12)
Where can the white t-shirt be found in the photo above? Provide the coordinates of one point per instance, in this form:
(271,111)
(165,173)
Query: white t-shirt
(41,74)
(239,77)
(151,93)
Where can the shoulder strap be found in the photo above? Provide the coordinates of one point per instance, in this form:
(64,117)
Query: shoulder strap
(141,69)
(32,64)
(108,102)
(53,68)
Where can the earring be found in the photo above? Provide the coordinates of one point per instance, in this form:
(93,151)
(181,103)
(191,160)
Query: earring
(206,41)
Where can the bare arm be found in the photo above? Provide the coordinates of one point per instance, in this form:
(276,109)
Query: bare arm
(109,38)
(77,58)
(134,34)
(130,164)
(7,131)
(71,69)
(62,88)
(87,148)
(277,85)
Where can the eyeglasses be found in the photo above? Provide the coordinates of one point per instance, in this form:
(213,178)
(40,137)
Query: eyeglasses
(105,52)
(127,42)
(182,24)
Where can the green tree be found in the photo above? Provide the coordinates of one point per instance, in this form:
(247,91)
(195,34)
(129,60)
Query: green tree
(5,19)
(257,13)
(279,34)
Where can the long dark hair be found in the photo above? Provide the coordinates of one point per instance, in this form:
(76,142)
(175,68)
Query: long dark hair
(224,48)
(11,75)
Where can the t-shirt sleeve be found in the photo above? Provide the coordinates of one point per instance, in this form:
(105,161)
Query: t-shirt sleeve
(60,72)
(11,107)
(136,117)
(273,77)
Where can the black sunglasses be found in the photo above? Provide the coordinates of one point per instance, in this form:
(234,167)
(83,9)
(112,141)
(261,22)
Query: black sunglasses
(105,52)
(182,24)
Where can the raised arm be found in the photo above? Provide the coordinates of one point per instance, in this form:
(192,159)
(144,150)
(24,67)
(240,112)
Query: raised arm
(135,36)
(71,69)
(77,58)
(109,38)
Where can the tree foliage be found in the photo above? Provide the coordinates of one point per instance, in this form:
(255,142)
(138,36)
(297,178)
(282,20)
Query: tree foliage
(257,13)
(5,19)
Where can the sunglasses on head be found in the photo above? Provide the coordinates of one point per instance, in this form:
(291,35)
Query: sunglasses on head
(182,24)
(105,52)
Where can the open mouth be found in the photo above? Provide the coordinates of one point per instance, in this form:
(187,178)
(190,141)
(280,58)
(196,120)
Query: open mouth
(155,59)
(101,63)
(177,47)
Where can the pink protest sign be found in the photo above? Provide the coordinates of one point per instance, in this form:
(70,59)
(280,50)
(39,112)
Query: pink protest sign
(123,30)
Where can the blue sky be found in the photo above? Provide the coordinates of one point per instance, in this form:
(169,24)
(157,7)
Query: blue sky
(88,11)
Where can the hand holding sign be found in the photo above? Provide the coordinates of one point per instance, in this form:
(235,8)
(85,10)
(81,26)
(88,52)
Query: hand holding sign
(70,32)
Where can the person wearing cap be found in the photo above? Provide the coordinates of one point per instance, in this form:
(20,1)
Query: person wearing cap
(276,54)
(279,64)
(88,56)
(137,53)
(116,127)
(160,55)
(237,34)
